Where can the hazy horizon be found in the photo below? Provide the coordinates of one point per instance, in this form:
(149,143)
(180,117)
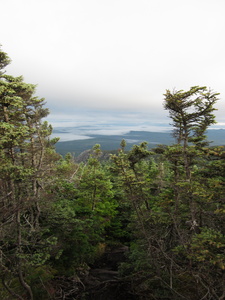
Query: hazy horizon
(69,131)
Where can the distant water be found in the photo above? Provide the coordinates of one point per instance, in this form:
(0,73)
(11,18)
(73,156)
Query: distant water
(71,131)
(86,132)
(76,140)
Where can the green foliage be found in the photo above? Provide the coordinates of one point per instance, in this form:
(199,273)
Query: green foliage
(178,230)
(4,60)
(58,216)
(208,247)
(24,163)
(192,113)
(83,209)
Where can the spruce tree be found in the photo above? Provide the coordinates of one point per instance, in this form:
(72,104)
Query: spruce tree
(24,150)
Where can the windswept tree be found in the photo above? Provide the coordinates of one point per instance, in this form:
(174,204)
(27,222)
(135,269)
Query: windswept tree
(178,252)
(191,113)
(195,197)
(25,155)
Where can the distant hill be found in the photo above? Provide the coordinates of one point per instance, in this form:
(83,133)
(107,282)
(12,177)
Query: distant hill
(112,142)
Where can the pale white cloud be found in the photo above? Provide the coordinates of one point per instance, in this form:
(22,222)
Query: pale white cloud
(118,55)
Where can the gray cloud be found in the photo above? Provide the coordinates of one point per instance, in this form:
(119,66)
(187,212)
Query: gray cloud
(92,57)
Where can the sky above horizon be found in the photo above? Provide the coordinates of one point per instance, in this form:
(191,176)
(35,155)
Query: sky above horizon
(112,60)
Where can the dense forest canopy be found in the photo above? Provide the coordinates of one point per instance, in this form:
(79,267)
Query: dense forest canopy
(61,219)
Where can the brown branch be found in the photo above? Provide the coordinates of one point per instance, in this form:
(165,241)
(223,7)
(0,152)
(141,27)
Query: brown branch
(10,291)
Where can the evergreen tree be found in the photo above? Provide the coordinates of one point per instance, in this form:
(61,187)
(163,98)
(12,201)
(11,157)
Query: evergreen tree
(178,254)
(24,157)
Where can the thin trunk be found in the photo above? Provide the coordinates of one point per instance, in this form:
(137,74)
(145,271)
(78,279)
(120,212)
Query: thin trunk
(6,116)
(41,157)
(6,119)
(10,291)
(19,245)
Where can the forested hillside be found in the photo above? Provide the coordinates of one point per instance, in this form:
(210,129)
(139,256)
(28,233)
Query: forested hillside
(145,224)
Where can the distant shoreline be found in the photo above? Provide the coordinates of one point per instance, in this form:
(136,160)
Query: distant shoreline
(112,142)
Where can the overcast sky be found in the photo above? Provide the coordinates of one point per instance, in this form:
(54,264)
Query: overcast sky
(114,59)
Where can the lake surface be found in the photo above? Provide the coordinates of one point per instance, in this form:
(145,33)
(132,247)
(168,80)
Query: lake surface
(87,131)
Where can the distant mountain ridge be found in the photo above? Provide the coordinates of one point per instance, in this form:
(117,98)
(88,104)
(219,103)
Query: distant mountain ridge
(112,142)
